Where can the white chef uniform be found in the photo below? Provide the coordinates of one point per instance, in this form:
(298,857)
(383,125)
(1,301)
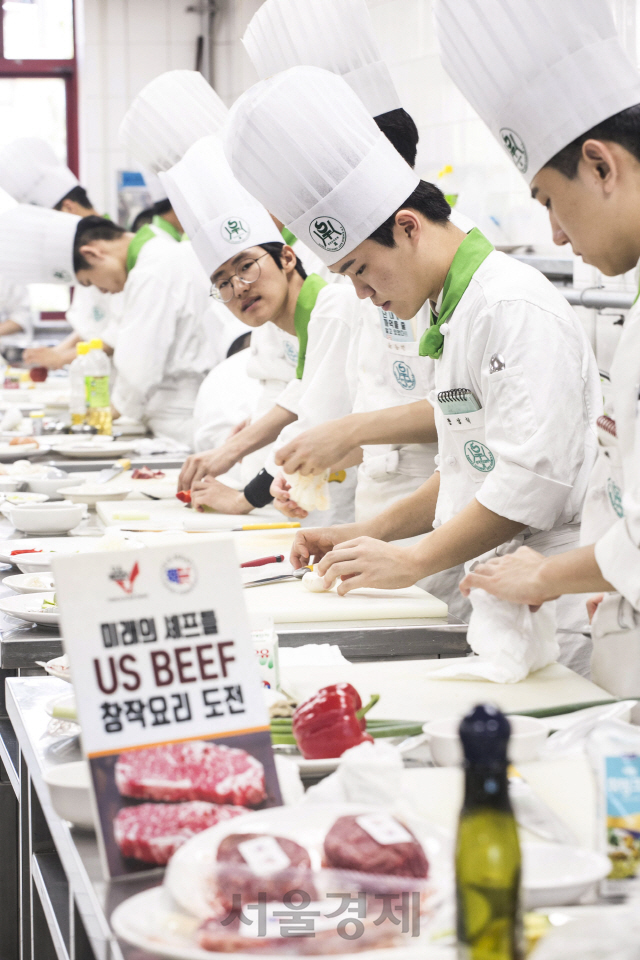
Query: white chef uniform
(15,304)
(528,452)
(226,398)
(163,353)
(223,219)
(93,314)
(326,390)
(539,89)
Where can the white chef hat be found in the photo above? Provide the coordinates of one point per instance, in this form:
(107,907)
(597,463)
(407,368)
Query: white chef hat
(305,145)
(156,189)
(336,35)
(31,172)
(218,215)
(168,116)
(36,245)
(539,72)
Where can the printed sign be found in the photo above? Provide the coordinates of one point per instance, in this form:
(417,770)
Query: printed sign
(174,722)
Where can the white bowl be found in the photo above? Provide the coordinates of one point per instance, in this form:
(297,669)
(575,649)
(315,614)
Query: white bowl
(51,486)
(9,485)
(92,493)
(70,791)
(554,874)
(30,582)
(527,736)
(41,518)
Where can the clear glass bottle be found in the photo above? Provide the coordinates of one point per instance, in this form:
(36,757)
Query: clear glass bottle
(98,396)
(488,861)
(77,388)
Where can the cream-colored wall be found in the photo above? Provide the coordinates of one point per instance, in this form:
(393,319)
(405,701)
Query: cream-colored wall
(123,45)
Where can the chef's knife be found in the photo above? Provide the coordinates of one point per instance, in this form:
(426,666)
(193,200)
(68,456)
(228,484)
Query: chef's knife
(534,814)
(110,472)
(296,575)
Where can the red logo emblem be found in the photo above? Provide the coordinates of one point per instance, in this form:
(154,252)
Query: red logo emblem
(125,580)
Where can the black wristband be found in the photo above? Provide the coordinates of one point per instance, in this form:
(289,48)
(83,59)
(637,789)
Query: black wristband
(257,490)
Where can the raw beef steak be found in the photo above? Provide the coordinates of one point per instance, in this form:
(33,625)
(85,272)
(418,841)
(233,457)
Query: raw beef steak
(240,873)
(152,832)
(196,770)
(349,846)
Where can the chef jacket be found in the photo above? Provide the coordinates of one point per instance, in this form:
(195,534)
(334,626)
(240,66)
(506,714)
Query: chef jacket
(163,348)
(15,304)
(618,550)
(227,397)
(526,454)
(95,315)
(325,389)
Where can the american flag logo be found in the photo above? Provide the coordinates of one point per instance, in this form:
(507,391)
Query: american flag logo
(179,574)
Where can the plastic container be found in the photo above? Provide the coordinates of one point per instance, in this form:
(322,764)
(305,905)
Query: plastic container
(78,399)
(97,392)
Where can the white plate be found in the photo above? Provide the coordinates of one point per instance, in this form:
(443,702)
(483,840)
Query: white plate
(94,451)
(46,544)
(70,792)
(58,667)
(91,493)
(53,546)
(66,701)
(165,919)
(309,768)
(29,607)
(554,874)
(21,582)
(20,451)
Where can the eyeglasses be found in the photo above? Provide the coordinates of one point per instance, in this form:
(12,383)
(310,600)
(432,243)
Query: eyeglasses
(248,272)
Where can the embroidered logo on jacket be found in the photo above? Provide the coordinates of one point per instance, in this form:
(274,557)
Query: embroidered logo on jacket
(479,456)
(404,375)
(615,497)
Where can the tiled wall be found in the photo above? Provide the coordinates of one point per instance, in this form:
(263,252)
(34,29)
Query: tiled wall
(126,43)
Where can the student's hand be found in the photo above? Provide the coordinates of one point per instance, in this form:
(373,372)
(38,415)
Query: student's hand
(210,463)
(239,427)
(366,562)
(218,496)
(592,605)
(516,577)
(315,450)
(115,413)
(279,490)
(310,545)
(48,357)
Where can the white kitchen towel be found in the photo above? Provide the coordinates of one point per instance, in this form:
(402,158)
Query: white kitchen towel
(508,640)
(370,772)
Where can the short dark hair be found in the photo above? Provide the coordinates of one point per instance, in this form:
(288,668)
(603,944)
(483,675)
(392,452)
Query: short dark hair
(274,250)
(427,199)
(622,128)
(399,127)
(144,217)
(161,206)
(92,228)
(77,195)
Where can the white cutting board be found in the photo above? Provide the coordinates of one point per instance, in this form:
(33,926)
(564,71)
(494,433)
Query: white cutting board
(290,602)
(407,692)
(172,515)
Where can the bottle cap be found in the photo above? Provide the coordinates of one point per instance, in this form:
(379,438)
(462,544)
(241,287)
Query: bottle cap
(485,732)
(95,344)
(82,348)
(36,414)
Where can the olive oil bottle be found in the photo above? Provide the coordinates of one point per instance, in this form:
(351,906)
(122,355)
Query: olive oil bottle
(488,864)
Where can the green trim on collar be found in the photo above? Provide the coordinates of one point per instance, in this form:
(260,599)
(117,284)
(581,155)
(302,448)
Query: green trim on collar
(306,302)
(288,237)
(473,251)
(169,228)
(143,235)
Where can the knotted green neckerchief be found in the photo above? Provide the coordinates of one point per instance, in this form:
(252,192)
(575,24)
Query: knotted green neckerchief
(474,250)
(169,228)
(288,237)
(305,304)
(143,236)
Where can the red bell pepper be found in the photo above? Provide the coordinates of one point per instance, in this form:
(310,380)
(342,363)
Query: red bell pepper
(14,553)
(184,496)
(331,722)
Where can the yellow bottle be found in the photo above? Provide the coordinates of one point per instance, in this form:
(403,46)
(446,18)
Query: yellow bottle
(96,380)
(77,389)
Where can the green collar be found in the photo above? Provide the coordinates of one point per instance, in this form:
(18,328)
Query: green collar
(305,304)
(169,228)
(288,237)
(143,235)
(474,250)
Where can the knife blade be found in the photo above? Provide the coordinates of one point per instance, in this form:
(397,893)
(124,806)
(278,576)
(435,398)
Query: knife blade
(296,575)
(110,472)
(534,814)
